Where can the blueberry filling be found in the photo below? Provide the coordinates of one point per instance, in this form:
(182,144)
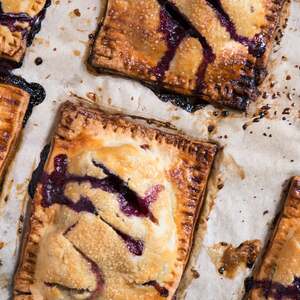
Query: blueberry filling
(136,247)
(131,204)
(176,27)
(11,21)
(174,34)
(37,173)
(256,46)
(35,90)
(98,274)
(275,290)
(162,290)
(54,186)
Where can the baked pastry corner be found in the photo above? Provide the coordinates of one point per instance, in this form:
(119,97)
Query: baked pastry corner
(278,276)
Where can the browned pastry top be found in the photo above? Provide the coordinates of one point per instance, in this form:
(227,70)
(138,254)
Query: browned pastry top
(214,49)
(114,214)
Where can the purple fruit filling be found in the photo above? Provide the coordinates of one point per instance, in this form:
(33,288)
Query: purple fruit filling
(176,26)
(173,34)
(136,247)
(54,186)
(131,204)
(12,21)
(275,290)
(256,45)
(98,274)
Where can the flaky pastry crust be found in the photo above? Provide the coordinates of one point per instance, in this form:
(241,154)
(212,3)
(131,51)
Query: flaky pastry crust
(89,240)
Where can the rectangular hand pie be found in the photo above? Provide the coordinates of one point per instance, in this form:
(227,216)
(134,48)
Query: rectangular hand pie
(278,277)
(211,49)
(114,211)
(20,20)
(13,106)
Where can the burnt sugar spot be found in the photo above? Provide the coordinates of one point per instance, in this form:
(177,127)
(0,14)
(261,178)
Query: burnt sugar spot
(163,292)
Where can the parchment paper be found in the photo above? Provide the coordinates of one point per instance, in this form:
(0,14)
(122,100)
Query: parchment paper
(254,164)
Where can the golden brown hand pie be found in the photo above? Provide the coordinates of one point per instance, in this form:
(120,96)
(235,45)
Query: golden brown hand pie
(216,50)
(17,99)
(13,105)
(114,212)
(278,277)
(20,20)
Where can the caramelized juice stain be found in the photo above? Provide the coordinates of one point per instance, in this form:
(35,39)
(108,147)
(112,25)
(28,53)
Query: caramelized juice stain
(229,259)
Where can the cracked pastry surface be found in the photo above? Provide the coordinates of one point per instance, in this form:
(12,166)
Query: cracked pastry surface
(278,277)
(114,212)
(13,105)
(20,20)
(216,50)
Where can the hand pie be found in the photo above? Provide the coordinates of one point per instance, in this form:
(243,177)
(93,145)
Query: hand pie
(278,277)
(20,20)
(114,212)
(210,49)
(13,106)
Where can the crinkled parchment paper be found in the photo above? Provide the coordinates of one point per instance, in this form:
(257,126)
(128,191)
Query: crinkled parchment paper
(254,164)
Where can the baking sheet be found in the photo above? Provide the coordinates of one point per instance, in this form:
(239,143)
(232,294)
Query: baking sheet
(254,164)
